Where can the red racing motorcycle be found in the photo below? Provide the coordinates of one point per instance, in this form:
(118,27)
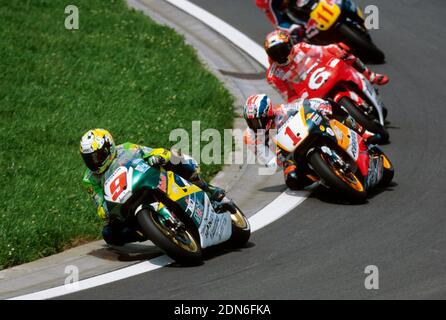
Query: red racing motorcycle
(328,77)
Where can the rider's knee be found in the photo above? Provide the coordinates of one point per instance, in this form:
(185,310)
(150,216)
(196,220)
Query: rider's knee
(111,237)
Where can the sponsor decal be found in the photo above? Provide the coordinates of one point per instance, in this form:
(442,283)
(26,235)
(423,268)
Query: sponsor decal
(354,146)
(316,118)
(338,133)
(375,171)
(142,166)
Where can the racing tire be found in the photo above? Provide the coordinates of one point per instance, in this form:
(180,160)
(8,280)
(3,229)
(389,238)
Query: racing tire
(352,190)
(153,229)
(360,45)
(241,229)
(369,124)
(388,170)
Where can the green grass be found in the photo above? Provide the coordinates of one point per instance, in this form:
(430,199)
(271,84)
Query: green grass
(119,71)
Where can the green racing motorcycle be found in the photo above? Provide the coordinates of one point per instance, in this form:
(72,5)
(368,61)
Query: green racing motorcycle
(176,215)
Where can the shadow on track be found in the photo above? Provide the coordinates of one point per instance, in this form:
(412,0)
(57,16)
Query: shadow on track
(129,252)
(326,195)
(214,252)
(142,252)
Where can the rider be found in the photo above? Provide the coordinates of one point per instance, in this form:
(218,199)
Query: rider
(260,114)
(288,62)
(99,152)
(275,11)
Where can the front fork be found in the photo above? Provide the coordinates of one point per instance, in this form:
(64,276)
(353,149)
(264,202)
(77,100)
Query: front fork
(166,217)
(337,160)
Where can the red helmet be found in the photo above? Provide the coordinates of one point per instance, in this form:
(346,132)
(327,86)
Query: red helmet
(278,46)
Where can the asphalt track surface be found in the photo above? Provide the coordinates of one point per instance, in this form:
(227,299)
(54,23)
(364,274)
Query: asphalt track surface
(320,250)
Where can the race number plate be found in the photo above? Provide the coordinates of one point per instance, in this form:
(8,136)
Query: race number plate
(325,14)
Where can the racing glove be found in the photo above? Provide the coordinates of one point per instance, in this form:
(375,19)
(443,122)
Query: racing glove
(297,33)
(156,161)
(158,157)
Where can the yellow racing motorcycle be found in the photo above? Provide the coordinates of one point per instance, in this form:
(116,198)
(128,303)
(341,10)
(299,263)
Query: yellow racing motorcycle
(333,21)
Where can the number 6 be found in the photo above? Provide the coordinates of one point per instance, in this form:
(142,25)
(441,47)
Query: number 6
(318,78)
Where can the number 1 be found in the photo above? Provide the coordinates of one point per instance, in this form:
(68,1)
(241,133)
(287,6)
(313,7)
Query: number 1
(292,136)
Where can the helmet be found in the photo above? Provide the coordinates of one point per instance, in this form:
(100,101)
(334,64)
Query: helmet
(97,150)
(303,8)
(258,112)
(278,46)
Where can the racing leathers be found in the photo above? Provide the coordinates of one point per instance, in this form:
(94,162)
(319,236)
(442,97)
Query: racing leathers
(115,232)
(282,76)
(269,154)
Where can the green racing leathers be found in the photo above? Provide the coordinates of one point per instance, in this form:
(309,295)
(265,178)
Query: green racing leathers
(116,232)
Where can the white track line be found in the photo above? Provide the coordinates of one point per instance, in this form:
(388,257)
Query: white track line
(226,30)
(283,204)
(279,207)
(96,281)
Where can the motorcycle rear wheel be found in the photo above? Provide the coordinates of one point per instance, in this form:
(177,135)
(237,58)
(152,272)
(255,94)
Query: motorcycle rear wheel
(369,124)
(347,185)
(360,45)
(181,246)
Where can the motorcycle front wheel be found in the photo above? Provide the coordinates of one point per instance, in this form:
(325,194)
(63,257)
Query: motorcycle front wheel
(241,230)
(179,244)
(343,182)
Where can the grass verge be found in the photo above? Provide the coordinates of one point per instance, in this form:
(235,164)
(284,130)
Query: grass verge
(119,71)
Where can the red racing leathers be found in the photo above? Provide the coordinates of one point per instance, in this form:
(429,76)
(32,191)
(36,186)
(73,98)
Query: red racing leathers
(301,59)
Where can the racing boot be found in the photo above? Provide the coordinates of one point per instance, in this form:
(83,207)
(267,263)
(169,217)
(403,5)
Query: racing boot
(354,125)
(294,180)
(118,234)
(374,78)
(370,138)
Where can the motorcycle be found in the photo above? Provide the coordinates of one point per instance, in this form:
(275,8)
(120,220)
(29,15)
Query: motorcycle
(334,155)
(176,215)
(324,76)
(333,21)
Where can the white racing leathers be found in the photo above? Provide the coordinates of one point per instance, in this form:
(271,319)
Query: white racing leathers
(262,144)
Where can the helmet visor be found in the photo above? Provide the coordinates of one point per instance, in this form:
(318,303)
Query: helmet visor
(95,160)
(280,52)
(257,124)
